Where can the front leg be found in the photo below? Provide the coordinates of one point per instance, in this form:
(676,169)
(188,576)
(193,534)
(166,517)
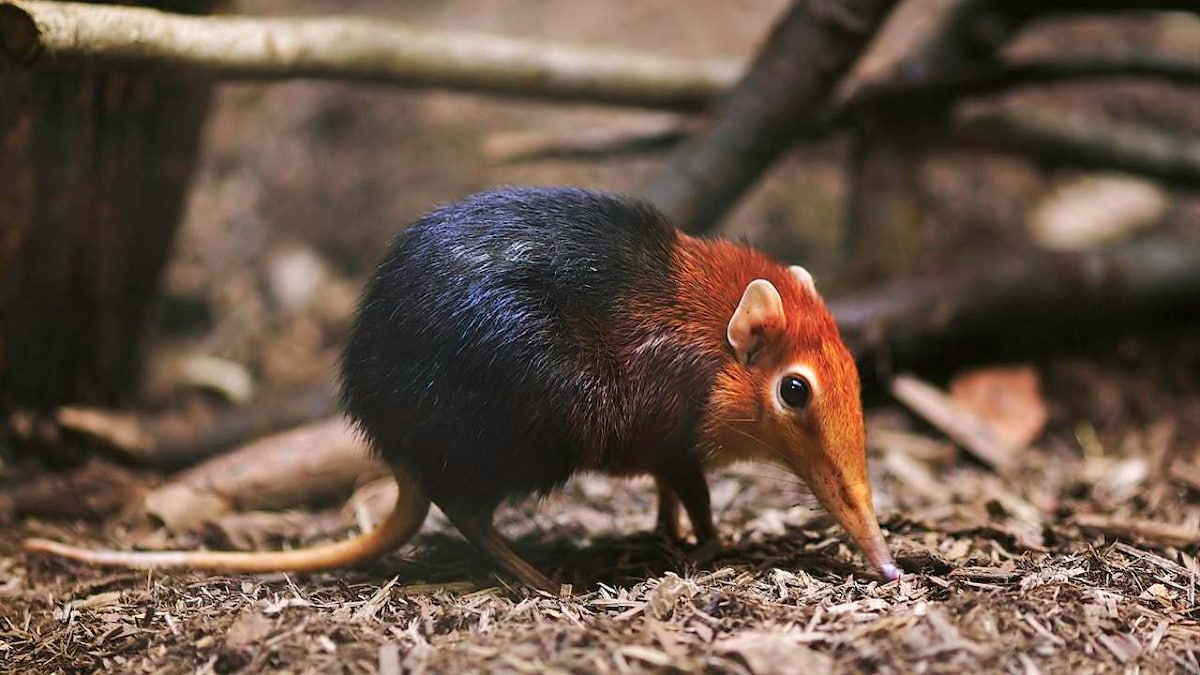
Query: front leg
(687,484)
(670,513)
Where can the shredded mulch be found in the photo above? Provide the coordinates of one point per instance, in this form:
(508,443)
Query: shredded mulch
(1053,568)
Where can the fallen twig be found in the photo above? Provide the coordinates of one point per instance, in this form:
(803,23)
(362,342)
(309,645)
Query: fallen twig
(366,508)
(1135,528)
(1169,566)
(180,438)
(915,475)
(250,530)
(317,462)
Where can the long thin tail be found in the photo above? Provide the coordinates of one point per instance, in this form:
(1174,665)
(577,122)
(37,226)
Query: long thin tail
(402,523)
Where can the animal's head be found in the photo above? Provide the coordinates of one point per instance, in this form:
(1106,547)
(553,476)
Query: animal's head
(790,396)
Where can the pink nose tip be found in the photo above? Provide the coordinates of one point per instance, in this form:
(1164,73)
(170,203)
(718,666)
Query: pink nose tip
(889,572)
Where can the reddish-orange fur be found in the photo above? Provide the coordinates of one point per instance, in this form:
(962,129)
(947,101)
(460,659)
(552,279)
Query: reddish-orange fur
(824,444)
(712,275)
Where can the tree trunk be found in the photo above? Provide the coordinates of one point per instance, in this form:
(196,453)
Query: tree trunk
(94,169)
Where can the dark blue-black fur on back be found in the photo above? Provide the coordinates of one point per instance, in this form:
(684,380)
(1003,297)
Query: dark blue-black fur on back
(483,356)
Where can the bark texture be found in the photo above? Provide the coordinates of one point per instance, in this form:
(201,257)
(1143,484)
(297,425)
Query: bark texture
(94,168)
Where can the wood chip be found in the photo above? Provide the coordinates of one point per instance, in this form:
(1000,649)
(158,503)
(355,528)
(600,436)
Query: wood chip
(1187,474)
(1124,647)
(652,656)
(389,659)
(774,653)
(989,575)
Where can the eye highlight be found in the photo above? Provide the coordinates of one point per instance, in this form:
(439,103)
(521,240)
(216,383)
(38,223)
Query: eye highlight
(795,391)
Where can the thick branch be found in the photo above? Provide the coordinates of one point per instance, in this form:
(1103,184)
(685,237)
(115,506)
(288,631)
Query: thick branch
(34,32)
(1056,139)
(1025,9)
(1049,138)
(353,49)
(318,461)
(918,93)
(919,39)
(1011,296)
(810,49)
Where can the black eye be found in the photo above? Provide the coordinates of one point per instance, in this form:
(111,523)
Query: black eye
(795,391)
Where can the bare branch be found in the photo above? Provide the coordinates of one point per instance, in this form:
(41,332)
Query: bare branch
(35,32)
(776,103)
(355,49)
(1046,291)
(1060,140)
(918,40)
(1030,8)
(585,143)
(810,49)
(918,93)
(1049,138)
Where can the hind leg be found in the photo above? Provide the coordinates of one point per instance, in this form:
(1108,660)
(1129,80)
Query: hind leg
(478,528)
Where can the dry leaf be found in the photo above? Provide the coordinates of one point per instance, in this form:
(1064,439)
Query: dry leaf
(248,629)
(1008,399)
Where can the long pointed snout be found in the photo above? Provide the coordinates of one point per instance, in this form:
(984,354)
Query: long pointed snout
(849,502)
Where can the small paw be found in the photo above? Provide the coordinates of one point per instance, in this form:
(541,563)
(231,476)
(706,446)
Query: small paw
(707,550)
(675,536)
(672,530)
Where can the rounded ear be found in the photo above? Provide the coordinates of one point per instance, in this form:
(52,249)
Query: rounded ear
(805,279)
(757,319)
